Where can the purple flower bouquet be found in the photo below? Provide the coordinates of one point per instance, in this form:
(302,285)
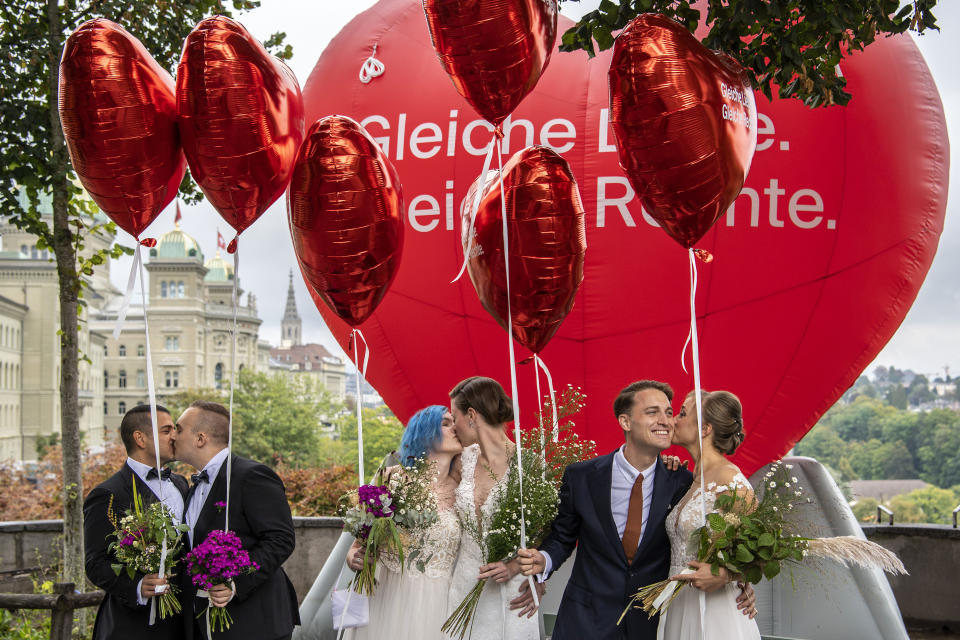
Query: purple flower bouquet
(218,560)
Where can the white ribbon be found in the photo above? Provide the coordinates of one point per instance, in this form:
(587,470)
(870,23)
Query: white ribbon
(125,305)
(151,396)
(672,586)
(477,197)
(350,592)
(513,365)
(233,375)
(553,395)
(695,350)
(372,68)
(361,375)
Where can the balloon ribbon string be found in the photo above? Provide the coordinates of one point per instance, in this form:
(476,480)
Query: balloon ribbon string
(152,400)
(553,394)
(355,336)
(543,440)
(513,365)
(477,197)
(695,351)
(233,375)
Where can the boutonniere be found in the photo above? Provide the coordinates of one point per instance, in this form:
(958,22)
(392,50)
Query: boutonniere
(220,505)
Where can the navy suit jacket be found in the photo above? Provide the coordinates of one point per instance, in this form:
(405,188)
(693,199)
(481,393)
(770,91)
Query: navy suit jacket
(120,617)
(265,606)
(603,581)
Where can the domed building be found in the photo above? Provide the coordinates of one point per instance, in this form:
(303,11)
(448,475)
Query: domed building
(191,322)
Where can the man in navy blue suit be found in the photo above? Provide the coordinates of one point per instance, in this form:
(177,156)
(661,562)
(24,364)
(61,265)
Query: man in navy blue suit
(612,509)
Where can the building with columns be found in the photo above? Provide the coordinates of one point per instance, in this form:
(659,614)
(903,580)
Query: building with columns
(30,346)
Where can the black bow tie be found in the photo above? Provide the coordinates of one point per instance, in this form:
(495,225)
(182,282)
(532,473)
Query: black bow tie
(164,473)
(200,477)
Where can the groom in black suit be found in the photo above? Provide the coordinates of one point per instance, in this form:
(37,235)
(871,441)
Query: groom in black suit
(264,603)
(612,509)
(125,610)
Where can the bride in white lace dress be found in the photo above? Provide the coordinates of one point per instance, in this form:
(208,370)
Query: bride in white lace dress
(480,407)
(722,434)
(411,605)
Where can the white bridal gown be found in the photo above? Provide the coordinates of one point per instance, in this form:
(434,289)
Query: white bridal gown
(722,619)
(494,620)
(412,605)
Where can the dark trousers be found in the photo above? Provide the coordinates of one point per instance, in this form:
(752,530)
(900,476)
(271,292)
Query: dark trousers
(200,632)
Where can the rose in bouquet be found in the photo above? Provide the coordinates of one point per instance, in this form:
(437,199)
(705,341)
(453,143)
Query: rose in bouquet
(753,539)
(386,517)
(146,539)
(218,560)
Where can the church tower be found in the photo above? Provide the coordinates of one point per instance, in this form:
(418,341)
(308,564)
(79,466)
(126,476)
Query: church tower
(290,326)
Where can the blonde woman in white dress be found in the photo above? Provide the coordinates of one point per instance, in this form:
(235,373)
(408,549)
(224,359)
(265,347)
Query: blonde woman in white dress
(412,604)
(722,433)
(480,409)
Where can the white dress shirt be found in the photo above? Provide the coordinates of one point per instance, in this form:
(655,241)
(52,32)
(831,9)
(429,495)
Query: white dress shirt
(163,489)
(203,490)
(623,477)
(167,492)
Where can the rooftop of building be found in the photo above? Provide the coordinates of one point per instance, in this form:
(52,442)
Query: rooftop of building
(218,270)
(300,354)
(178,245)
(884,489)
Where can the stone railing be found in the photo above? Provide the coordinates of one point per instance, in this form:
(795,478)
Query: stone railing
(927,597)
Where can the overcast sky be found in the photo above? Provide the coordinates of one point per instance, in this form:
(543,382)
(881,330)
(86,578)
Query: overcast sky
(928,340)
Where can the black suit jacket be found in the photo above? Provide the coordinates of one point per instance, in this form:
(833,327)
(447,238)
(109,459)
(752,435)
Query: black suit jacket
(265,606)
(602,581)
(119,616)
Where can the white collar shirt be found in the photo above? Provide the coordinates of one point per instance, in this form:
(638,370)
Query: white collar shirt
(164,489)
(624,475)
(200,494)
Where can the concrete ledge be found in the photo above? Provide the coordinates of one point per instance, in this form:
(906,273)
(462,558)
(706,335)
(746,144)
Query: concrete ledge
(935,531)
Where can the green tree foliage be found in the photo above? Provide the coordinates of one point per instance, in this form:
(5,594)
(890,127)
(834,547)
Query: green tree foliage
(381,435)
(865,510)
(279,418)
(792,47)
(870,440)
(275,418)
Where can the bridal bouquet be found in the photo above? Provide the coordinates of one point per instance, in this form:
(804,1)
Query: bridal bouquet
(386,517)
(218,560)
(138,545)
(752,539)
(501,540)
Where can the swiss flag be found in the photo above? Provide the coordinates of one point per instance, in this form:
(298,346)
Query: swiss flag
(221,244)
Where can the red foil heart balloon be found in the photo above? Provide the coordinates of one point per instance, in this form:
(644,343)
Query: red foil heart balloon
(241,119)
(547,243)
(345,210)
(495,52)
(685,122)
(119,120)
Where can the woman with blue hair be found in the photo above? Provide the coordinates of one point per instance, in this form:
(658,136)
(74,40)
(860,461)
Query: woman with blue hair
(412,604)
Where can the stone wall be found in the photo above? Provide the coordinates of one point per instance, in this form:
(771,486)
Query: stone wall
(930,595)
(28,545)
(927,597)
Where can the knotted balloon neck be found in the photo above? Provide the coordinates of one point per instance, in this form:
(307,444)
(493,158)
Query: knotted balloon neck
(149,243)
(232,247)
(705,256)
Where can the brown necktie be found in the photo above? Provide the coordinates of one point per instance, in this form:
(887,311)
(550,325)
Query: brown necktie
(631,533)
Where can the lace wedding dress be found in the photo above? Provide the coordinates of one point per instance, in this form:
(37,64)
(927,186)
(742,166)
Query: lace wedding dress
(412,605)
(722,619)
(494,620)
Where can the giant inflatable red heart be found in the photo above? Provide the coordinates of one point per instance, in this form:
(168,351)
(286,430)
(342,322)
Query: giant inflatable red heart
(817,261)
(120,124)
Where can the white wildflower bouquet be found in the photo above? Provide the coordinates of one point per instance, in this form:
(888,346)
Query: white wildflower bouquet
(752,539)
(386,516)
(501,540)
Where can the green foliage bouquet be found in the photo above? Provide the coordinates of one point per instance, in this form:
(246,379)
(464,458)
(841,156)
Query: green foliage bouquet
(753,539)
(138,543)
(386,517)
